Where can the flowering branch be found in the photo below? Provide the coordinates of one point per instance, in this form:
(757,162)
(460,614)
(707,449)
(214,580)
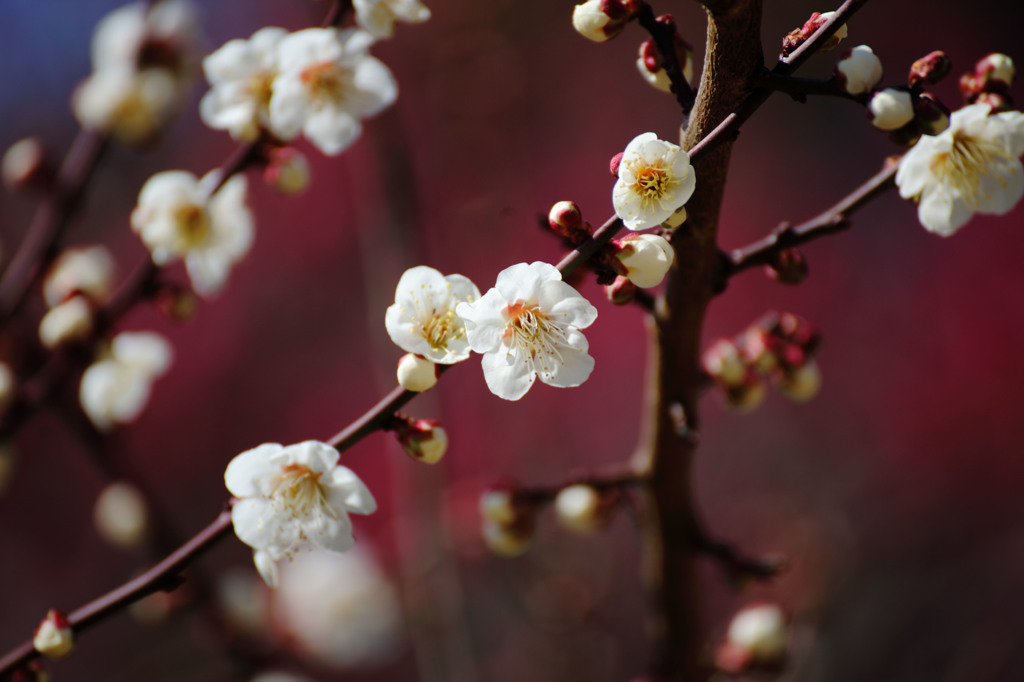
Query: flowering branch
(166,575)
(835,219)
(50,220)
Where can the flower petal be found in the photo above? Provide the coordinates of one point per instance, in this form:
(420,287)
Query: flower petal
(507,377)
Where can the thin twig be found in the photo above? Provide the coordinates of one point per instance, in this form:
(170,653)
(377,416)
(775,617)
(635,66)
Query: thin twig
(800,88)
(665,41)
(835,219)
(738,567)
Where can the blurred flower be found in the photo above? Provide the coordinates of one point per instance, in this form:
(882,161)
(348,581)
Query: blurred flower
(378,17)
(859,70)
(647,258)
(327,82)
(423,319)
(176,218)
(244,601)
(120,515)
(129,104)
(800,383)
(287,171)
(241,75)
(115,388)
(972,167)
(82,270)
(339,608)
(528,326)
(579,508)
(655,179)
(72,320)
(290,496)
(145,35)
(756,637)
(54,637)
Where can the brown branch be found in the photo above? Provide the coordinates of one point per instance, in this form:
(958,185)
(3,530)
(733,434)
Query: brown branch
(37,249)
(835,219)
(739,568)
(800,88)
(163,576)
(665,41)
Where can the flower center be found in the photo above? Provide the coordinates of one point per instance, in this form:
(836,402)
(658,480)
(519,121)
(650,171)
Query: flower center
(970,160)
(533,337)
(259,87)
(326,81)
(297,489)
(193,225)
(653,180)
(440,329)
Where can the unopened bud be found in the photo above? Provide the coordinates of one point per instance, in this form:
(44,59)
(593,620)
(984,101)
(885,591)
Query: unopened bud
(799,36)
(416,373)
(723,363)
(801,383)
(54,638)
(676,219)
(505,540)
(891,108)
(649,65)
(859,70)
(613,164)
(120,515)
(756,637)
(647,258)
(498,505)
(287,171)
(26,166)
(621,291)
(579,508)
(929,69)
(566,219)
(599,20)
(70,321)
(997,101)
(423,439)
(788,267)
(931,115)
(756,350)
(87,271)
(996,67)
(745,396)
(33,671)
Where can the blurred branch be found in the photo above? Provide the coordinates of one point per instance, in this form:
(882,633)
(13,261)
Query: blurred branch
(738,567)
(835,219)
(163,576)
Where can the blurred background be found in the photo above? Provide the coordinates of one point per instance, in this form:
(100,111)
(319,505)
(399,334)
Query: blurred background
(895,494)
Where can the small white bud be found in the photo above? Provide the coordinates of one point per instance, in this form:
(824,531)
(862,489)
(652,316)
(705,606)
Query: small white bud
(416,373)
(497,506)
(70,321)
(647,258)
(84,270)
(591,22)
(658,79)
(53,637)
(120,515)
(759,631)
(859,70)
(891,109)
(506,541)
(578,508)
(1001,66)
(803,383)
(722,361)
(424,440)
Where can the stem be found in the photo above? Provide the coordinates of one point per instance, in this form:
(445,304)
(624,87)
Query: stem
(835,219)
(800,88)
(165,575)
(665,41)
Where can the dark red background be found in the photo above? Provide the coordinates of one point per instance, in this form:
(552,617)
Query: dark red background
(895,494)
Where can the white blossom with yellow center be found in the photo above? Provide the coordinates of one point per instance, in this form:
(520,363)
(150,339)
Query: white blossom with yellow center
(655,179)
(527,327)
(423,320)
(971,167)
(177,218)
(293,496)
(326,83)
(241,75)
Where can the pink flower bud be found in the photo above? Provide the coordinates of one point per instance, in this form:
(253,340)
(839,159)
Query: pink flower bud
(423,439)
(621,291)
(788,267)
(287,171)
(613,165)
(566,219)
(54,637)
(799,36)
(416,373)
(929,69)
(996,67)
(724,364)
(800,383)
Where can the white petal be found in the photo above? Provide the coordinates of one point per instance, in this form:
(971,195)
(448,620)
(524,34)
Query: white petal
(331,130)
(506,380)
(289,106)
(942,213)
(266,566)
(318,457)
(484,320)
(376,88)
(256,524)
(999,194)
(346,491)
(522,282)
(560,300)
(334,535)
(576,366)
(247,468)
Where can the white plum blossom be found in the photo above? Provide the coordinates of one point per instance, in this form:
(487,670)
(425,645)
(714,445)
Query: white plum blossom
(132,105)
(339,609)
(241,75)
(120,38)
(423,318)
(647,258)
(378,17)
(326,83)
(116,388)
(971,167)
(83,270)
(528,326)
(655,179)
(292,496)
(176,218)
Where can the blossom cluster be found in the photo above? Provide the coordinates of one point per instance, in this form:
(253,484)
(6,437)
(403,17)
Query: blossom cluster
(527,326)
(780,347)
